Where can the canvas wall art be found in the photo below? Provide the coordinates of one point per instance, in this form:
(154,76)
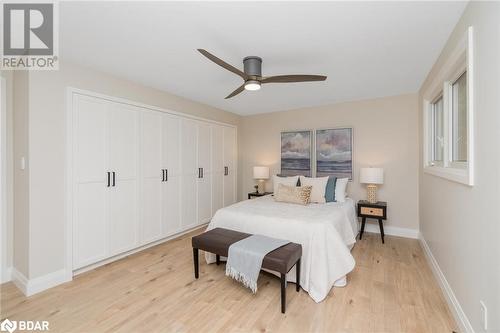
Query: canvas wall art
(296,153)
(334,152)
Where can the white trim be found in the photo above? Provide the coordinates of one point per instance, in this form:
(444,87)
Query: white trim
(455,307)
(392,231)
(39,284)
(4,269)
(144,247)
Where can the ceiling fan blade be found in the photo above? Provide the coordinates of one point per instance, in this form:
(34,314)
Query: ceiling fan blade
(236,92)
(293,78)
(223,64)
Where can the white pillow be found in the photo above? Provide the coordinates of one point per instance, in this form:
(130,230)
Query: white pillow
(340,189)
(288,181)
(318,187)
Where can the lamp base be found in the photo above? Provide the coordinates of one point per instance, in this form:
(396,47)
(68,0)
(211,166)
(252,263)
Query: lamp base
(261,187)
(371,191)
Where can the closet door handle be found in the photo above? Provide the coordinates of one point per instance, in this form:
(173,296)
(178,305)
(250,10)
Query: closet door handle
(109,179)
(226,171)
(162,175)
(166,174)
(114,179)
(199,172)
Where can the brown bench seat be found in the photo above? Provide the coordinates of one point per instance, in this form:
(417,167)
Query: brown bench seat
(281,260)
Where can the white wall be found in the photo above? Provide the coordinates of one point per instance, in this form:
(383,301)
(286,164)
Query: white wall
(7,210)
(21,177)
(47,154)
(385,135)
(461,223)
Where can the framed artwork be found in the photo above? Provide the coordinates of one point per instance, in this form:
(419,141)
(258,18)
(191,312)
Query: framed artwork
(334,152)
(296,149)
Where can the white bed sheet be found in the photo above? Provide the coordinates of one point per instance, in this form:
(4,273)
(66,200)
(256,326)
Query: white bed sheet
(327,232)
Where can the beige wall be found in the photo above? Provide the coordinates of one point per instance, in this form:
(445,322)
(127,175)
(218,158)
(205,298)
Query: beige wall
(47,154)
(385,135)
(460,223)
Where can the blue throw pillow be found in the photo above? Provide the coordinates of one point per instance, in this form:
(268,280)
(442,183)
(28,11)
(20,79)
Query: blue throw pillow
(330,189)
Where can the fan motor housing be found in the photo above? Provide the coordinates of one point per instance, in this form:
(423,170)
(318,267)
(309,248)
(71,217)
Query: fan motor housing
(253,66)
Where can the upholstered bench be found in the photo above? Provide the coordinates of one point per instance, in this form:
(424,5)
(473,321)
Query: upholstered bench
(281,260)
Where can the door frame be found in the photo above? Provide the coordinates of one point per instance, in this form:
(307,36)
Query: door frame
(70,92)
(4,268)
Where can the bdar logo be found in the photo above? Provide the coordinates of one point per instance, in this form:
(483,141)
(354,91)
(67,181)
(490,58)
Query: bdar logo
(8,326)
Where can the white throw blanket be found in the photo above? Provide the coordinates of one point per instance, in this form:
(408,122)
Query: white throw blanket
(245,257)
(326,232)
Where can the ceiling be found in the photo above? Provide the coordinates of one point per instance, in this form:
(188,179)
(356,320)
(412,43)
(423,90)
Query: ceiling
(367,49)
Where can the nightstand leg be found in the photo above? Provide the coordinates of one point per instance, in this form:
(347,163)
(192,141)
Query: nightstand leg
(363,221)
(381,225)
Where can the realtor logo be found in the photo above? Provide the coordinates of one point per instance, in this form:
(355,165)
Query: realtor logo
(29,36)
(8,326)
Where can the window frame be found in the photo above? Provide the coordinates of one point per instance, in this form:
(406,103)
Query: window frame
(432,130)
(459,62)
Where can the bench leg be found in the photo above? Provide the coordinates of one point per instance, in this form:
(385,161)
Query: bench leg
(217,259)
(195,261)
(283,292)
(297,277)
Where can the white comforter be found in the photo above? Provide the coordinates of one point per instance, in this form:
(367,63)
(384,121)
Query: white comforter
(327,232)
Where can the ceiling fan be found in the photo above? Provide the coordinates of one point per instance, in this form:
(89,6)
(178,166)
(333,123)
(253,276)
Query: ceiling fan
(252,74)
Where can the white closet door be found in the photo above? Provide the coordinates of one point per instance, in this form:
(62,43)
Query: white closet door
(90,181)
(122,148)
(171,136)
(189,140)
(230,164)
(171,188)
(152,176)
(205,181)
(217,167)
(171,206)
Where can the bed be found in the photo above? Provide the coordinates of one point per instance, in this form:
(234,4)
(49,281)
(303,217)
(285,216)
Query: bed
(326,231)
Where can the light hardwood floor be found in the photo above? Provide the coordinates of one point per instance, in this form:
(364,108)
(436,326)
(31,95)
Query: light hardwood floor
(392,289)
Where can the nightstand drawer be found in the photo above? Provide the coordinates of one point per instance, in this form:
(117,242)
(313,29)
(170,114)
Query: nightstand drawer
(372,211)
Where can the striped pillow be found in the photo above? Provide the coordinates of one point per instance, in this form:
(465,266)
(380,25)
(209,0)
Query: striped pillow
(293,194)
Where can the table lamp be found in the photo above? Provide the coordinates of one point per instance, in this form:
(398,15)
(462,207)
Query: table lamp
(372,177)
(261,174)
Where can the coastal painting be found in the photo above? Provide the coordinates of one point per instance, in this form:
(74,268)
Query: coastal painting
(296,153)
(334,152)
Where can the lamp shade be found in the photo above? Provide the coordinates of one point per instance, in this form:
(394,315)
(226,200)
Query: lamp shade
(260,172)
(371,176)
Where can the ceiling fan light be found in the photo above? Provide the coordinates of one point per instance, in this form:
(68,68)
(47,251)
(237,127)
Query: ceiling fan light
(252,85)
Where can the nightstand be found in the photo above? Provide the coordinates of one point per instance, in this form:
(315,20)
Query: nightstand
(376,211)
(255,194)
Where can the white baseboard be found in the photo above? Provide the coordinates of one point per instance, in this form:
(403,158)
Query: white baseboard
(460,317)
(392,231)
(6,275)
(36,285)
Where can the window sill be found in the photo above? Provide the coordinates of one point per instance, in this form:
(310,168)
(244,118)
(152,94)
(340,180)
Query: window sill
(458,175)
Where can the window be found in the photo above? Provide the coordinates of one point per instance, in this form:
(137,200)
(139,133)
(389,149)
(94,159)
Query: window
(459,119)
(437,131)
(448,116)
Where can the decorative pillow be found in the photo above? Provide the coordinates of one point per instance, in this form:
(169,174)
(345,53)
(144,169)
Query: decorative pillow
(290,181)
(340,189)
(318,187)
(293,194)
(330,189)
